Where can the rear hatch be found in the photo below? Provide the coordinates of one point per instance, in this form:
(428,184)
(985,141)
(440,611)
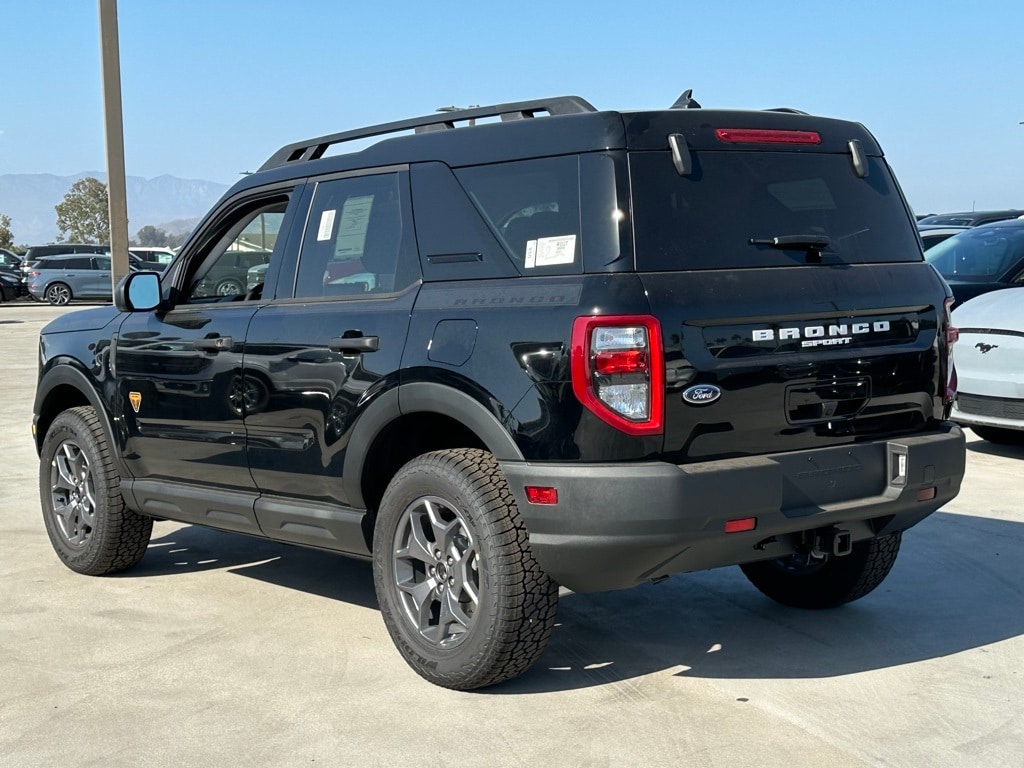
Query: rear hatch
(788,279)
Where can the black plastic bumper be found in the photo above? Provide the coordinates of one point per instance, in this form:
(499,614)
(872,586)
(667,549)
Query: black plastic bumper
(616,525)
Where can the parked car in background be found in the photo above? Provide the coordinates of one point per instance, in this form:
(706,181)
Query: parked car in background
(36,252)
(10,266)
(932,234)
(989,360)
(59,279)
(10,286)
(981,259)
(9,259)
(230,275)
(153,258)
(970,218)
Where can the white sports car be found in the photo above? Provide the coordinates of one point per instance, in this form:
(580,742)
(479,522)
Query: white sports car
(989,360)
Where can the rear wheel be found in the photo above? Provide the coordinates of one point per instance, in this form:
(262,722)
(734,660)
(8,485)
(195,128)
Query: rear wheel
(460,592)
(828,581)
(89,526)
(58,294)
(1000,436)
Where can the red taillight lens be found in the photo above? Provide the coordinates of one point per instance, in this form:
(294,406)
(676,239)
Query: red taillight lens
(618,371)
(536,494)
(762,136)
(627,361)
(741,524)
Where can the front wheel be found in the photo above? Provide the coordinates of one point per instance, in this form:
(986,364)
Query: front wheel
(89,526)
(460,592)
(58,294)
(828,581)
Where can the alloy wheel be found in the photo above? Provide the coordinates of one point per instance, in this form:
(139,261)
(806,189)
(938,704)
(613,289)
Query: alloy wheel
(437,571)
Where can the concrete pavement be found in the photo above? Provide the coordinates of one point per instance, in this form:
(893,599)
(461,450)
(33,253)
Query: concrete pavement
(224,650)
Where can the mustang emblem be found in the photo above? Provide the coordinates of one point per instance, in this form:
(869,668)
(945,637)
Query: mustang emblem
(985,347)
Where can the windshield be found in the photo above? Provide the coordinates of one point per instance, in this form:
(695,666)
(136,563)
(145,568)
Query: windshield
(707,220)
(984,254)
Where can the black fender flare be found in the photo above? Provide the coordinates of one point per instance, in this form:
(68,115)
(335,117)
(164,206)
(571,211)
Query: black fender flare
(67,374)
(421,397)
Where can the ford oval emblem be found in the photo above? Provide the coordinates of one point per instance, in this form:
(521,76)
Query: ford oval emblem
(702,394)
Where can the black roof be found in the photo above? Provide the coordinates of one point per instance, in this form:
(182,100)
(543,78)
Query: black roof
(570,125)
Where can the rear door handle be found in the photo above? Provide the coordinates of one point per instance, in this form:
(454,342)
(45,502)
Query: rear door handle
(216,344)
(354,344)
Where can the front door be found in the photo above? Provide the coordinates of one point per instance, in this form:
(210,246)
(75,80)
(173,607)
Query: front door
(182,391)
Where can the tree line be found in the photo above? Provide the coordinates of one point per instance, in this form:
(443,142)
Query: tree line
(83,216)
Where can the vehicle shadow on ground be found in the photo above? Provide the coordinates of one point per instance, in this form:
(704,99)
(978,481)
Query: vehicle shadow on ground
(992,449)
(191,549)
(957,585)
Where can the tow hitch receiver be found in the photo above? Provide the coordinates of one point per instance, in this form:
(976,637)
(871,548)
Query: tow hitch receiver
(832,542)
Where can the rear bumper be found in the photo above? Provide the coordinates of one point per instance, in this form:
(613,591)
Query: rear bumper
(616,525)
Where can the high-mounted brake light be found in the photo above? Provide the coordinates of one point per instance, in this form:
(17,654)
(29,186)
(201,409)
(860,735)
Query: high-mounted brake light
(766,136)
(618,371)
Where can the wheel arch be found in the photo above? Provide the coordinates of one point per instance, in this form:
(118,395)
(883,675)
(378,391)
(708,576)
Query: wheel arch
(411,420)
(65,386)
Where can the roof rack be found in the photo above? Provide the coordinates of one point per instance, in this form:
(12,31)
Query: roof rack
(313,149)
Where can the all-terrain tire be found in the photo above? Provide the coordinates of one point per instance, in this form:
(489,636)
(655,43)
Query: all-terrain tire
(833,582)
(461,595)
(1000,436)
(89,526)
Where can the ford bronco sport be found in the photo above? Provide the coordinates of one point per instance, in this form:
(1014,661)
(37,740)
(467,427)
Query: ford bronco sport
(523,346)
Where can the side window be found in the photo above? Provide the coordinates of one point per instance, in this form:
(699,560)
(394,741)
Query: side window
(534,206)
(101,263)
(239,256)
(357,240)
(79,263)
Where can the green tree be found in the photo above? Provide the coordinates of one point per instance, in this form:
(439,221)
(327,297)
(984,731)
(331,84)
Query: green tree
(84,214)
(6,238)
(151,236)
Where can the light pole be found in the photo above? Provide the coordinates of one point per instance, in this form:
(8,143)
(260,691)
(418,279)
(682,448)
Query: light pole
(117,191)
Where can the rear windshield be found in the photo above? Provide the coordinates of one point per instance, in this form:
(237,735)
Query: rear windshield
(707,219)
(981,255)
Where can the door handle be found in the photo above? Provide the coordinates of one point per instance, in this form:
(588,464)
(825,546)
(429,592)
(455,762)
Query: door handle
(216,344)
(354,345)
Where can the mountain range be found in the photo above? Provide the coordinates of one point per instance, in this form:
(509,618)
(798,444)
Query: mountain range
(168,202)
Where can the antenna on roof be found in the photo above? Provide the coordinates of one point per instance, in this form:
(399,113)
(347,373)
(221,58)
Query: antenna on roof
(686,101)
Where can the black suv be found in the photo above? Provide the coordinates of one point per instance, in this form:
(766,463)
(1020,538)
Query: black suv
(524,346)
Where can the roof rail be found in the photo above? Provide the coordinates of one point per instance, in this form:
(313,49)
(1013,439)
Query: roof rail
(313,149)
(788,110)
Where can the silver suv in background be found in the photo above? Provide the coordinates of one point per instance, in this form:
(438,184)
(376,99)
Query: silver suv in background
(59,279)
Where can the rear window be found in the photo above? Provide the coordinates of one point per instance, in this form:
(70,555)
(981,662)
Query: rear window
(707,219)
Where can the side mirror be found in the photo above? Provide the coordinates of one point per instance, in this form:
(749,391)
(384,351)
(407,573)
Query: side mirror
(138,292)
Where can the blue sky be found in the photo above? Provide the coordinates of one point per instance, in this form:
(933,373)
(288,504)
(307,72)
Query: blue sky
(212,87)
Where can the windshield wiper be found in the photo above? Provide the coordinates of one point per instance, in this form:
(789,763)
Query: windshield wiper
(793,242)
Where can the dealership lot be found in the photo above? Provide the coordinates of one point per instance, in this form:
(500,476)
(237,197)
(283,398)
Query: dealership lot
(225,650)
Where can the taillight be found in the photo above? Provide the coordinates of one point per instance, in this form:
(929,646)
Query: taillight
(761,136)
(618,371)
(952,336)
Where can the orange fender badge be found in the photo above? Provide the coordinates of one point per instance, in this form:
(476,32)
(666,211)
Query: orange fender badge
(135,398)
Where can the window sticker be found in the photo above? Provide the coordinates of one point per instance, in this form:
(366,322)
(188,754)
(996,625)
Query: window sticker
(550,251)
(531,254)
(326,225)
(355,217)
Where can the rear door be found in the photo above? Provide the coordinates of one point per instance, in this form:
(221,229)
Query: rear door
(327,346)
(794,303)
